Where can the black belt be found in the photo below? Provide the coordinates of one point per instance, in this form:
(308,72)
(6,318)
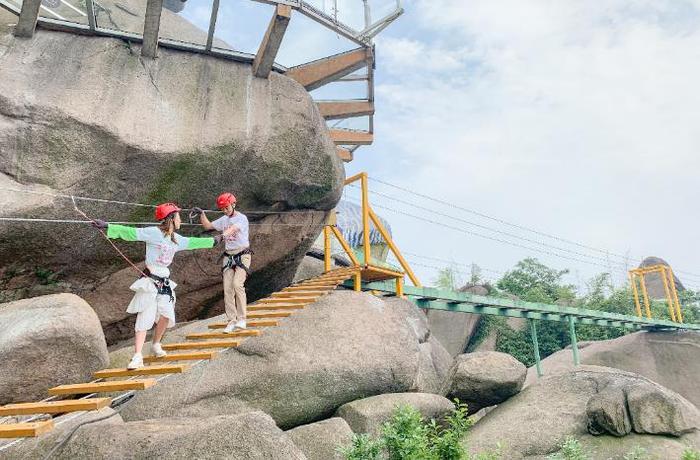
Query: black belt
(234,260)
(162,284)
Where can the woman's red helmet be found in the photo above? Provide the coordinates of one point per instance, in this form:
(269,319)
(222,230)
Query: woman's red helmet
(225,199)
(165,209)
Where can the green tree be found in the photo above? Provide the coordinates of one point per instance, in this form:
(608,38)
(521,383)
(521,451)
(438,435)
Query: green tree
(449,278)
(533,281)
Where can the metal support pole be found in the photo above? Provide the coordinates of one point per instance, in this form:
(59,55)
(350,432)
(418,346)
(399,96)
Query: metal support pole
(667,291)
(574,343)
(357,277)
(399,288)
(645,295)
(28,16)
(365,218)
(151,26)
(326,249)
(633,285)
(536,348)
(679,314)
(90,9)
(212,24)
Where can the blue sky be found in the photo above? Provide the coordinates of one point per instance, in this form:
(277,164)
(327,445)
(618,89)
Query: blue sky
(578,119)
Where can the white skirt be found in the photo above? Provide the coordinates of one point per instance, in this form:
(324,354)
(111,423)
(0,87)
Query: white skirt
(149,306)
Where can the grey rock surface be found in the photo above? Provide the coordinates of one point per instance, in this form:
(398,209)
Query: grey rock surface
(484,379)
(320,440)
(668,358)
(536,421)
(47,341)
(367,415)
(88,116)
(344,347)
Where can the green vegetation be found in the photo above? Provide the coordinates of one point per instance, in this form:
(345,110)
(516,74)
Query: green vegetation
(409,436)
(532,281)
(570,449)
(690,454)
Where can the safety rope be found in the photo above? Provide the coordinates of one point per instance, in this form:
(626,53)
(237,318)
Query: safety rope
(74,221)
(129,203)
(133,265)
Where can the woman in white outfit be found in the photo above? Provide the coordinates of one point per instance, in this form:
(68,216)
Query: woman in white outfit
(154,299)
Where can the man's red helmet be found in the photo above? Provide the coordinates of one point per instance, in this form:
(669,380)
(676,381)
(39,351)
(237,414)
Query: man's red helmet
(225,199)
(165,209)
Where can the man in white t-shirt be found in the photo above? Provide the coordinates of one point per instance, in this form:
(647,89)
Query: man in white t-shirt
(236,265)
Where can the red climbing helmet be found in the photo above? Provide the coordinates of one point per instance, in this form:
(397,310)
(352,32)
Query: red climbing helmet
(225,199)
(165,209)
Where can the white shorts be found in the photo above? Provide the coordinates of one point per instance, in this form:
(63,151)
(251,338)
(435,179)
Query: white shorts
(163,307)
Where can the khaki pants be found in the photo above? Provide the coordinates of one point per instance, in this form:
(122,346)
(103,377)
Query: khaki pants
(234,291)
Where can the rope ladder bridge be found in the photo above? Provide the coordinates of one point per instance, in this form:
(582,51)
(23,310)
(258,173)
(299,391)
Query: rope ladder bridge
(364,273)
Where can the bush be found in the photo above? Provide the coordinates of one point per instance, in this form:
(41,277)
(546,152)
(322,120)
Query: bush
(690,454)
(408,436)
(570,449)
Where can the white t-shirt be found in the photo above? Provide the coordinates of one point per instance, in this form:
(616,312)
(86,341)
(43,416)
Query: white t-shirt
(238,240)
(160,249)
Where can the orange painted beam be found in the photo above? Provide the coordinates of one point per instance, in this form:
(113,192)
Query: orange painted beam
(350,137)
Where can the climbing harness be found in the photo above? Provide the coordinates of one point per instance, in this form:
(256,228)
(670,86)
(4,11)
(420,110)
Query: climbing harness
(234,260)
(162,284)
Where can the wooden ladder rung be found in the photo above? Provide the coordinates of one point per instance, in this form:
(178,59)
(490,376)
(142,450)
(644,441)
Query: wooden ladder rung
(222,335)
(25,430)
(279,306)
(147,370)
(274,314)
(283,294)
(189,356)
(101,387)
(296,299)
(55,407)
(294,289)
(255,323)
(197,345)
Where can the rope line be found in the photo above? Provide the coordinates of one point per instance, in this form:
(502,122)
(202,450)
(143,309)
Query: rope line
(520,227)
(74,221)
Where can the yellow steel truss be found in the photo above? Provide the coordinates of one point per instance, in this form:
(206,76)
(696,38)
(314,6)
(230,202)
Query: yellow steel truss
(637,280)
(366,267)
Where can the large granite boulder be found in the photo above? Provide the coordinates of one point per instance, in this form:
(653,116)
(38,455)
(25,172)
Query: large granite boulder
(654,282)
(453,329)
(320,440)
(344,347)
(484,378)
(88,116)
(369,414)
(594,404)
(251,435)
(47,341)
(668,358)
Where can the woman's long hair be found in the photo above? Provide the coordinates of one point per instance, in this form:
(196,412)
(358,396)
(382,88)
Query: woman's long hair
(168,227)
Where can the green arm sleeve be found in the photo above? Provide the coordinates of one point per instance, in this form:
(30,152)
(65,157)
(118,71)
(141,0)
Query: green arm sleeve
(200,243)
(121,232)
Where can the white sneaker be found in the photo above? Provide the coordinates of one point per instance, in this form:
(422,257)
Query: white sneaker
(241,324)
(230,327)
(136,362)
(157,350)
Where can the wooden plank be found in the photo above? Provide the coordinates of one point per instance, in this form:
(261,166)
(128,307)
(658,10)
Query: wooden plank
(351,137)
(222,335)
(148,370)
(255,323)
(346,155)
(315,74)
(326,287)
(289,300)
(55,407)
(190,356)
(291,306)
(334,110)
(102,387)
(276,314)
(270,45)
(206,344)
(283,294)
(25,430)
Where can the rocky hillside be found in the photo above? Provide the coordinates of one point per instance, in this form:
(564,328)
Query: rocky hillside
(87,116)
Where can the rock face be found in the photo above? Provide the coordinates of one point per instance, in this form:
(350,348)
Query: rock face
(47,341)
(344,347)
(452,329)
(587,400)
(654,283)
(667,358)
(320,440)
(485,378)
(367,415)
(87,116)
(251,435)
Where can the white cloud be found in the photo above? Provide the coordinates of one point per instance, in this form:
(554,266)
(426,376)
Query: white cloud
(576,117)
